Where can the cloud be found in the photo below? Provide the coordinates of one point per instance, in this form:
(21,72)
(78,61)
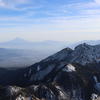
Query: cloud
(92,8)
(98,1)
(7,4)
(26,8)
(11,4)
(2,4)
(14,2)
(79,6)
(91,12)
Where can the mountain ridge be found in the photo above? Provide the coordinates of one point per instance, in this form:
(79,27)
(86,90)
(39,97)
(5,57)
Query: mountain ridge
(91,42)
(68,74)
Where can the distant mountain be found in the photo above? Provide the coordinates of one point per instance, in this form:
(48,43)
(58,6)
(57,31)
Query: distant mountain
(18,40)
(19,43)
(91,42)
(66,75)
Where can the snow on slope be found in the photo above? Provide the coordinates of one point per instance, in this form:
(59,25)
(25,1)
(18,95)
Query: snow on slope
(69,68)
(59,56)
(86,54)
(41,74)
(82,53)
(97,84)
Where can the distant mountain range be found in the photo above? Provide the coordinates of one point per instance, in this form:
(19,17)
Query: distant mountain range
(19,43)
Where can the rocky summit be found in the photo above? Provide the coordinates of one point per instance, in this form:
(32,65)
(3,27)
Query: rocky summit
(67,75)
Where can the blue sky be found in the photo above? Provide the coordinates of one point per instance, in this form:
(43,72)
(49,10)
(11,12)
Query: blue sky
(59,20)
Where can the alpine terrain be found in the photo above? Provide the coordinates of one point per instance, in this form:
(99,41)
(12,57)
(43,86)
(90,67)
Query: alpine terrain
(67,75)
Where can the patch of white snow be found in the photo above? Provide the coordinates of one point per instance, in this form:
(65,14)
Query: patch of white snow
(38,68)
(41,74)
(29,98)
(94,97)
(69,68)
(97,84)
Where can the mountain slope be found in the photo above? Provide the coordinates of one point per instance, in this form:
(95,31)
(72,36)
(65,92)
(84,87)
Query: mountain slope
(4,71)
(68,74)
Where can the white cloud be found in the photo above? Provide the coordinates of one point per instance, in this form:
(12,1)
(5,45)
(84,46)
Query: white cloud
(91,12)
(11,4)
(85,8)
(2,4)
(79,6)
(14,2)
(25,8)
(98,1)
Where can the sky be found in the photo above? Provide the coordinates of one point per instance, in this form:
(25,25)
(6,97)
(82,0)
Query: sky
(58,20)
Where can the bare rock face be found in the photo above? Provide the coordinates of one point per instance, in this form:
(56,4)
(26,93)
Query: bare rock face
(66,75)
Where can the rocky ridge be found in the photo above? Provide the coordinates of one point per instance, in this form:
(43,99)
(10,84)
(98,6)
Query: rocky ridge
(67,75)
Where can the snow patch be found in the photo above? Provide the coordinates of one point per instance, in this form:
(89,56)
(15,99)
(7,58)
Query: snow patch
(94,97)
(69,68)
(29,98)
(41,74)
(57,87)
(21,98)
(62,95)
(97,84)
(13,89)
(38,68)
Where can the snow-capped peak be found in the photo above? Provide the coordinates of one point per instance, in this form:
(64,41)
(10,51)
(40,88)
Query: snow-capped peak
(82,46)
(86,54)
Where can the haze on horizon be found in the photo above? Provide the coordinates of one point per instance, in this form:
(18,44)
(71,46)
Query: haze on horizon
(58,20)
